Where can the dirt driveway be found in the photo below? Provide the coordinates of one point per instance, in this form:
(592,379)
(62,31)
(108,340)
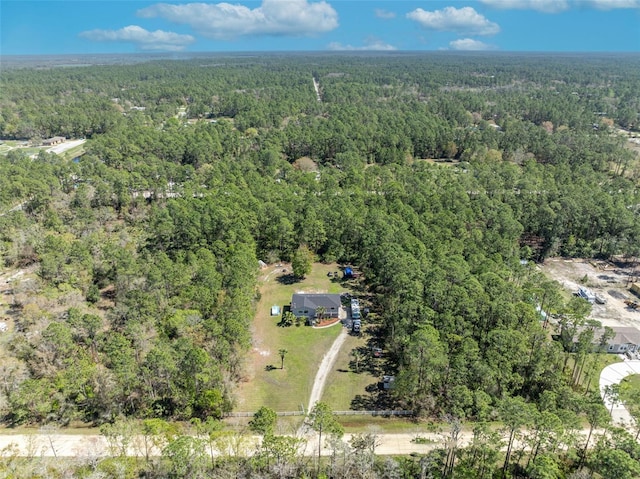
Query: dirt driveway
(607,280)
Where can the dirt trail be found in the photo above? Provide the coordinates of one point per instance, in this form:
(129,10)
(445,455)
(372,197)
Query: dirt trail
(328,360)
(316,85)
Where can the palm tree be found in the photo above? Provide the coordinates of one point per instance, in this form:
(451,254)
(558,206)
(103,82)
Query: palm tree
(356,359)
(282,353)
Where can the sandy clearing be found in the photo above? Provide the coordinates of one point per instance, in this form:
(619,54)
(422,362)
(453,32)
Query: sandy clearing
(604,279)
(67,145)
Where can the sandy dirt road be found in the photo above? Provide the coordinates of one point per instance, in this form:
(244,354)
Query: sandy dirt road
(328,360)
(96,446)
(316,86)
(67,145)
(68,445)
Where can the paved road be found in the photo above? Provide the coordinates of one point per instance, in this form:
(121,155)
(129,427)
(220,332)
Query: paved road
(613,374)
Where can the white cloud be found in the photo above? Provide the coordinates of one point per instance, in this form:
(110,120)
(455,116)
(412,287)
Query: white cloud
(546,6)
(555,6)
(613,4)
(272,17)
(143,39)
(469,44)
(370,44)
(384,14)
(463,20)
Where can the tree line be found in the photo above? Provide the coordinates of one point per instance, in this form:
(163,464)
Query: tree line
(436,175)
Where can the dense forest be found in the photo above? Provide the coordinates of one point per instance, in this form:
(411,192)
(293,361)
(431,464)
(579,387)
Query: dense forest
(439,176)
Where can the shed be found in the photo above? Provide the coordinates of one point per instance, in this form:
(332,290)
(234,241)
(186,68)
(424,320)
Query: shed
(275,310)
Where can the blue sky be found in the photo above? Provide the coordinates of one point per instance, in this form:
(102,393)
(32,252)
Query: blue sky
(110,26)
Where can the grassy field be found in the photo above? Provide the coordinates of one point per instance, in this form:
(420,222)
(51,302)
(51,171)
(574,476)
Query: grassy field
(344,383)
(289,388)
(72,153)
(629,386)
(9,145)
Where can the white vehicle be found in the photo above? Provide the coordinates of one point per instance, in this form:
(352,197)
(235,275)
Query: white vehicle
(586,294)
(355,309)
(356,326)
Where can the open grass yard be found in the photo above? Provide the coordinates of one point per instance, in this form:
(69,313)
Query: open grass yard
(352,375)
(630,387)
(72,153)
(265,383)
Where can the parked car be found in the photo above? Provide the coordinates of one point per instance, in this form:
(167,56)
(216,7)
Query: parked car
(356,326)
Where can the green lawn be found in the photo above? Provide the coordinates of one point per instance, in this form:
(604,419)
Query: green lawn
(73,152)
(70,154)
(344,383)
(362,424)
(629,386)
(288,389)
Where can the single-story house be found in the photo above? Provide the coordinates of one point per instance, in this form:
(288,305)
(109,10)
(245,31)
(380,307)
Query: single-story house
(56,140)
(626,339)
(308,305)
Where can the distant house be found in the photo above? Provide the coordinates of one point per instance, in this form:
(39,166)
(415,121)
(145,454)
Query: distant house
(626,339)
(56,140)
(308,305)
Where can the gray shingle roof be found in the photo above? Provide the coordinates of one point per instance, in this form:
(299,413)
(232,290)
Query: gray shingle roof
(331,302)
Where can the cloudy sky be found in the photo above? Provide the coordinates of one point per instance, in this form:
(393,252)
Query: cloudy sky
(118,26)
